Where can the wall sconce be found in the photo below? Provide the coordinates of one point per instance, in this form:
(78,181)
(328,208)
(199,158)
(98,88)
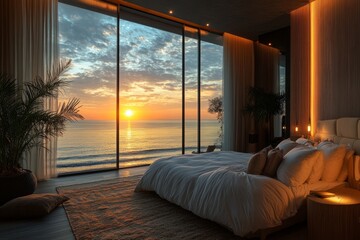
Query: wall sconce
(296,129)
(309,128)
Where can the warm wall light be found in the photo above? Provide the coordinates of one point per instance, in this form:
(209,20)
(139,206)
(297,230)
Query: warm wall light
(208,24)
(309,128)
(313,47)
(171,11)
(269,43)
(296,129)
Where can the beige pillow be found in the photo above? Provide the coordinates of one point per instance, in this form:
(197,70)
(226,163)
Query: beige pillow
(317,169)
(334,155)
(257,162)
(304,141)
(267,149)
(344,170)
(31,206)
(297,165)
(286,145)
(274,158)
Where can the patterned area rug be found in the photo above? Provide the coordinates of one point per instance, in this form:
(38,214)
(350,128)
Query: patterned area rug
(112,210)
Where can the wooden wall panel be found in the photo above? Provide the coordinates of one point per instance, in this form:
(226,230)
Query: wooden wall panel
(336,66)
(300,70)
(333,27)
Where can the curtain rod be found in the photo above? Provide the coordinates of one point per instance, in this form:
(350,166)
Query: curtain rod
(162,15)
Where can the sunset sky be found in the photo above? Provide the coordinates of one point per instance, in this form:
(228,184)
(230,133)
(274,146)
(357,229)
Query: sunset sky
(150,68)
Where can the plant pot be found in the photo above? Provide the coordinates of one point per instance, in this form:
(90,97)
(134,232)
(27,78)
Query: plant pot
(16,186)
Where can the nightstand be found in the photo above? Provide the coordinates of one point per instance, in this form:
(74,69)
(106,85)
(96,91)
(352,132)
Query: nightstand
(335,217)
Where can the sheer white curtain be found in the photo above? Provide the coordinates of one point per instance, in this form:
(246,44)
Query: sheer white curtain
(29,48)
(238,78)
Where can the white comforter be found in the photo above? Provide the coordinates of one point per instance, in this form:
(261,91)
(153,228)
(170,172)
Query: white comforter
(214,186)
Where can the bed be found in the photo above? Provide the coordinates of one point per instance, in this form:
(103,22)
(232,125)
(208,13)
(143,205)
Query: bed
(218,186)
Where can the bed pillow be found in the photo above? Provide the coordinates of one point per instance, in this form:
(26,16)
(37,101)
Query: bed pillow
(317,169)
(297,165)
(334,155)
(274,158)
(304,141)
(344,170)
(258,161)
(286,145)
(31,206)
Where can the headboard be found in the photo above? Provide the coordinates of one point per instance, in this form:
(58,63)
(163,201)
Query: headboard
(342,131)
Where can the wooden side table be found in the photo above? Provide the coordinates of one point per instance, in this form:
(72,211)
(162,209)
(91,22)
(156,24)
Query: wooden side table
(335,217)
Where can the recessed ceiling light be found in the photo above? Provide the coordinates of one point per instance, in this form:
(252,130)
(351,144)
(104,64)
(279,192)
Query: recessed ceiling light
(171,11)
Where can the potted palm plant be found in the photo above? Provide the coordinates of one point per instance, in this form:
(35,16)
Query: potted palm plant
(263,106)
(24,123)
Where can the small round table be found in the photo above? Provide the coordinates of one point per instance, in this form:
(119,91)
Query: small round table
(335,217)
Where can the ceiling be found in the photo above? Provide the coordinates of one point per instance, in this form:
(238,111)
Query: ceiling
(246,18)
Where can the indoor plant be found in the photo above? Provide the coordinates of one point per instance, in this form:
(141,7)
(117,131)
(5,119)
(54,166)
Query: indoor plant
(215,106)
(263,106)
(24,123)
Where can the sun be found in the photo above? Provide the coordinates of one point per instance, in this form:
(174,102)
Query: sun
(129,113)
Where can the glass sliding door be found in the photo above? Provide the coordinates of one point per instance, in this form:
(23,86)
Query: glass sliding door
(191,88)
(88,38)
(150,89)
(163,75)
(211,89)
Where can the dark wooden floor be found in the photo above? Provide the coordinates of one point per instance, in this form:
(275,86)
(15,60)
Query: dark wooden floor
(56,226)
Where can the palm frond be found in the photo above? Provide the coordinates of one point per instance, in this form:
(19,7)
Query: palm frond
(24,122)
(262,105)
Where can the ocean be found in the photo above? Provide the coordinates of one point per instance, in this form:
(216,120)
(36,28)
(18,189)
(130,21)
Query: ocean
(91,145)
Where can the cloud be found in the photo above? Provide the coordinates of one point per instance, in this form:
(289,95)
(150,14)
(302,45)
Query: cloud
(101,92)
(150,60)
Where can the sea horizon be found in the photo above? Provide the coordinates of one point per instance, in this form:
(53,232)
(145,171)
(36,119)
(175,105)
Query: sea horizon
(91,144)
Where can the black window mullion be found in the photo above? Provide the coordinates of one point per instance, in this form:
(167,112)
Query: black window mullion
(183,92)
(118,88)
(199,93)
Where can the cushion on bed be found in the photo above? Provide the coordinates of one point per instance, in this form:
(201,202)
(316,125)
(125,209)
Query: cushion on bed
(326,130)
(334,155)
(317,169)
(356,147)
(31,206)
(274,159)
(344,170)
(346,127)
(297,165)
(286,145)
(257,161)
(304,141)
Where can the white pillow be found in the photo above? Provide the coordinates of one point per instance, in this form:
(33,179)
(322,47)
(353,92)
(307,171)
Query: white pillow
(297,165)
(317,169)
(334,158)
(323,143)
(344,170)
(286,145)
(304,141)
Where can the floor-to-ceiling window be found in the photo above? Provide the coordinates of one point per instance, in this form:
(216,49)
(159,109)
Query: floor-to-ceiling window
(161,102)
(211,89)
(150,89)
(88,38)
(191,54)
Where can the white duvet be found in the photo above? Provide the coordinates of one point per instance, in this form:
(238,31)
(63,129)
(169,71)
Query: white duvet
(215,186)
